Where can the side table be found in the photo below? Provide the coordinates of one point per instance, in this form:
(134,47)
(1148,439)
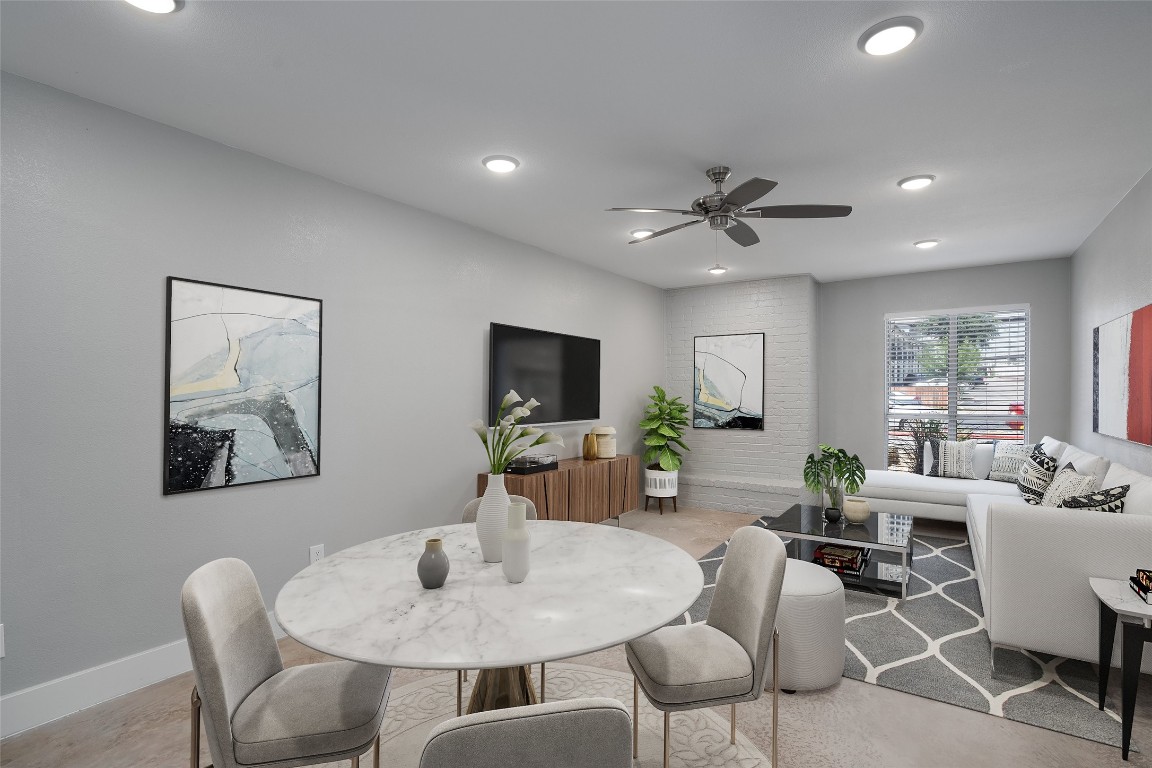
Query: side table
(1118,601)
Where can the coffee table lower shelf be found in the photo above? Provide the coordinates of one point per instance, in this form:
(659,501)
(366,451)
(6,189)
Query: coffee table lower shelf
(884,573)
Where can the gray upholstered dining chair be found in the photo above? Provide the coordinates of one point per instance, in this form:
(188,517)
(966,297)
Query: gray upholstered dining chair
(581,733)
(722,660)
(469,516)
(256,711)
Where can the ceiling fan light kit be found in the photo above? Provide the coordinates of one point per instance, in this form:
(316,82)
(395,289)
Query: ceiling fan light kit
(724,210)
(890,36)
(717,270)
(916,182)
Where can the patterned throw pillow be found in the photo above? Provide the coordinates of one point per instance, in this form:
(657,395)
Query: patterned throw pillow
(936,447)
(1007,460)
(1067,483)
(1036,475)
(953,458)
(1107,500)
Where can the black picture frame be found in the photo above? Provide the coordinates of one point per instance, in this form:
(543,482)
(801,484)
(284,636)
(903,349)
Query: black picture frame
(245,405)
(707,412)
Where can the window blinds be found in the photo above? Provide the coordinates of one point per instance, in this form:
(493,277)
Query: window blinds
(959,375)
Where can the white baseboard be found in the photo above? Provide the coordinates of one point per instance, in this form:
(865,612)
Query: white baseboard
(41,704)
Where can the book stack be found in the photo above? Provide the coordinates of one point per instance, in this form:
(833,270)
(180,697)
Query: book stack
(850,561)
(1141,583)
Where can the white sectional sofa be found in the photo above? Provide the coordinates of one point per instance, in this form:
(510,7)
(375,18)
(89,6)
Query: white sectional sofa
(1032,563)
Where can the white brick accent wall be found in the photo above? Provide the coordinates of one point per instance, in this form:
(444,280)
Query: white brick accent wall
(752,471)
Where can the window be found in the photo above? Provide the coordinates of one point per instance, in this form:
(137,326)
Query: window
(959,374)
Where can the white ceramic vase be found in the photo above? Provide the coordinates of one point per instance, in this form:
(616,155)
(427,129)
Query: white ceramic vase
(517,542)
(492,519)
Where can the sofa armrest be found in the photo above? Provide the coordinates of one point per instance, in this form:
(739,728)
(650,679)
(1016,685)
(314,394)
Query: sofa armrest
(1038,563)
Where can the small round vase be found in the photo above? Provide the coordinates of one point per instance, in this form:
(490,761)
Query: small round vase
(432,567)
(832,514)
(492,519)
(856,511)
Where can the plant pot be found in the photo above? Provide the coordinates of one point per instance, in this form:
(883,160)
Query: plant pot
(660,484)
(856,511)
(492,519)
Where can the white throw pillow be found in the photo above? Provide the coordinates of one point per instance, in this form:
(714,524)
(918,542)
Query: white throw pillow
(1053,447)
(929,457)
(1086,464)
(1007,460)
(1139,498)
(1067,483)
(982,461)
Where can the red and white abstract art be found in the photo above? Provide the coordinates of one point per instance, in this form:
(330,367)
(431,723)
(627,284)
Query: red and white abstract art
(1122,386)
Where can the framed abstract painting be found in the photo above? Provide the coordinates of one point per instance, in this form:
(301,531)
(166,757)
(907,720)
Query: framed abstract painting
(728,381)
(1122,377)
(242,382)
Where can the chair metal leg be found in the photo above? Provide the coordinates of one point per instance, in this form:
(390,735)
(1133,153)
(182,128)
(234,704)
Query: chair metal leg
(465,675)
(635,717)
(194,756)
(356,762)
(733,719)
(775,695)
(666,734)
(459,693)
(542,682)
(376,752)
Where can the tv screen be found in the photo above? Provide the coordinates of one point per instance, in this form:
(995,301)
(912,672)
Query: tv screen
(562,372)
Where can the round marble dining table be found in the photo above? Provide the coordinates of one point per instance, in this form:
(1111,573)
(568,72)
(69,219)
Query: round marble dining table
(590,587)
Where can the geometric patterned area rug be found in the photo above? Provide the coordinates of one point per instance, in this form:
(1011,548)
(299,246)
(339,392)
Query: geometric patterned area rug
(934,644)
(698,737)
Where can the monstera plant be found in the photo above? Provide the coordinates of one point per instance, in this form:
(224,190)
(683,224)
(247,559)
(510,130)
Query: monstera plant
(833,472)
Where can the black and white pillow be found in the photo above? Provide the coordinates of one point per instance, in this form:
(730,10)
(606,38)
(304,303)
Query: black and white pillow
(1065,485)
(1107,500)
(1036,475)
(1007,460)
(953,458)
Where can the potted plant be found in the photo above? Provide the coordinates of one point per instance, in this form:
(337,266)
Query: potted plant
(664,422)
(833,472)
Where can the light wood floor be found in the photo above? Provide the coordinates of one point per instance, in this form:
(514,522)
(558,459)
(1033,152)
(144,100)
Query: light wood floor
(852,724)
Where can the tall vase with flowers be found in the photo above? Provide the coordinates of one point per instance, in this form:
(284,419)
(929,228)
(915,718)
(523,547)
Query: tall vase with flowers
(503,441)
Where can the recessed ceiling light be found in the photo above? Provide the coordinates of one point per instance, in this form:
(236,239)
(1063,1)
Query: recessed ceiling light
(717,270)
(642,233)
(157,6)
(890,36)
(925,244)
(500,163)
(916,182)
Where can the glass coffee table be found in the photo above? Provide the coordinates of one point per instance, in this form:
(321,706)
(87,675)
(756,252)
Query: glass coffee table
(888,536)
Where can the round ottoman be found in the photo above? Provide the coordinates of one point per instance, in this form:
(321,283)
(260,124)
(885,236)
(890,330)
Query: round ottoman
(811,625)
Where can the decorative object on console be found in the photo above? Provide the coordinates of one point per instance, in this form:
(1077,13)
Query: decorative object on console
(589,452)
(432,567)
(664,422)
(1107,500)
(856,511)
(728,381)
(530,465)
(242,382)
(1007,460)
(833,472)
(1066,484)
(605,442)
(503,441)
(1122,377)
(517,542)
(1036,475)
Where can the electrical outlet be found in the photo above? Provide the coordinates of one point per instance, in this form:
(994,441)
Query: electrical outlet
(315,553)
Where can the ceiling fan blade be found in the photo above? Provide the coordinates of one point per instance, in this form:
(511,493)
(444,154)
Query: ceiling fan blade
(800,211)
(665,231)
(748,192)
(655,210)
(742,234)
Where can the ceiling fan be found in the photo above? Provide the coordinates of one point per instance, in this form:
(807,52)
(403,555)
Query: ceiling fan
(723,210)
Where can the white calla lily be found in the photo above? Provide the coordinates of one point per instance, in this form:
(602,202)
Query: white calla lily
(531,403)
(480,428)
(509,399)
(531,431)
(518,413)
(550,437)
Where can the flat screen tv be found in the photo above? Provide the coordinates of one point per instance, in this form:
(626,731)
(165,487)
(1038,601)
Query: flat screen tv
(562,372)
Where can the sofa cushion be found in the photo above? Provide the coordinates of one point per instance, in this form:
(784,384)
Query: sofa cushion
(906,486)
(953,458)
(1086,464)
(1036,475)
(1066,484)
(982,460)
(1007,459)
(1108,500)
(1052,446)
(1139,499)
(978,504)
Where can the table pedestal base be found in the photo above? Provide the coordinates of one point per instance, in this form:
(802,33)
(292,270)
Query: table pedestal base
(502,688)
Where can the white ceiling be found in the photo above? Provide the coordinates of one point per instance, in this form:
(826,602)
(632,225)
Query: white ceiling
(1036,117)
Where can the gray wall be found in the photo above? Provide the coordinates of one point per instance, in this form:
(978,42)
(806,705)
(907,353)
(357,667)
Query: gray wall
(98,207)
(851,355)
(1111,276)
